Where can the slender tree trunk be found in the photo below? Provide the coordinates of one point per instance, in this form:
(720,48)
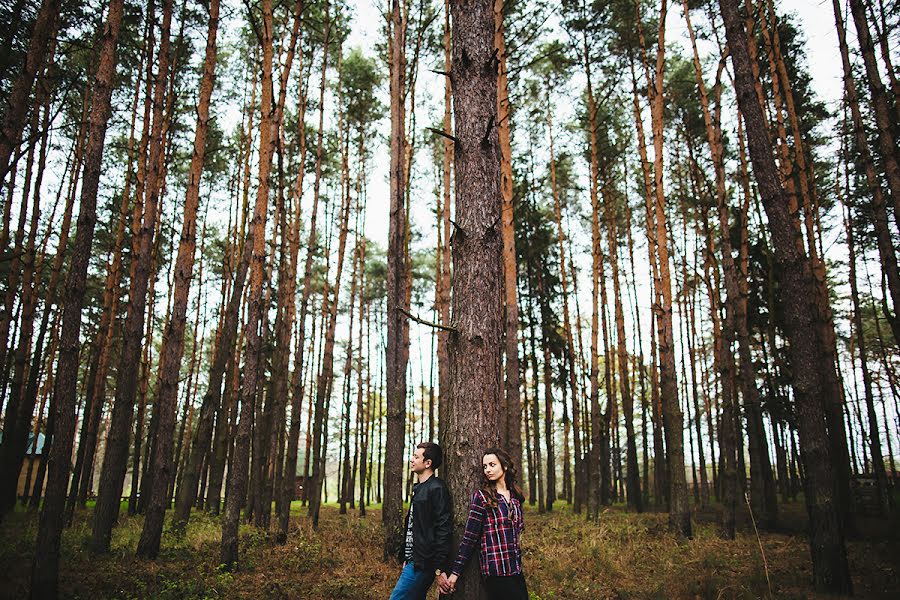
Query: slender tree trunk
(886,250)
(346,489)
(16,115)
(173,335)
(549,421)
(20,407)
(511,420)
(660,463)
(115,458)
(237,480)
(97,385)
(633,481)
(594,456)
(679,510)
(290,467)
(397,323)
(45,570)
(887,144)
(881,483)
(325,380)
(567,326)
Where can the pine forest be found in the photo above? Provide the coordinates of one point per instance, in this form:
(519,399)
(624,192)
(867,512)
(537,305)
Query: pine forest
(253,253)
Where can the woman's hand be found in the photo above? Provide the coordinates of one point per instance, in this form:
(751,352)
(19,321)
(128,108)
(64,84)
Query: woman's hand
(448,584)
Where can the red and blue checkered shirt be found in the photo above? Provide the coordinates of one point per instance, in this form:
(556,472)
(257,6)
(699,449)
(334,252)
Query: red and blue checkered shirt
(496,531)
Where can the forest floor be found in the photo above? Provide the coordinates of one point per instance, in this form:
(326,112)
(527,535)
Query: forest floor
(624,555)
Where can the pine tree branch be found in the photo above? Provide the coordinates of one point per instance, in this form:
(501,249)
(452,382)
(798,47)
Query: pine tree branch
(427,323)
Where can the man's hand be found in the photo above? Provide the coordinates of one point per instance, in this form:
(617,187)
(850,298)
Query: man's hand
(444,584)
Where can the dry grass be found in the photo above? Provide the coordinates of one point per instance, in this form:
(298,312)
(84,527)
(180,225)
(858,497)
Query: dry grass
(623,556)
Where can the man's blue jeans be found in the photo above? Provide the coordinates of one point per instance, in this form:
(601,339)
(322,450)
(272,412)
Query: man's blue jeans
(413,584)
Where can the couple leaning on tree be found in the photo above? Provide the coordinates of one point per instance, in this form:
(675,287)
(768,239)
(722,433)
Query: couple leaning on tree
(494,525)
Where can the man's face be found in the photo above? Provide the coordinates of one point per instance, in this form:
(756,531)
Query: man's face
(418,463)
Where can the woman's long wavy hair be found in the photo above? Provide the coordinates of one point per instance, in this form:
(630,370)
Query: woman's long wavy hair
(489,488)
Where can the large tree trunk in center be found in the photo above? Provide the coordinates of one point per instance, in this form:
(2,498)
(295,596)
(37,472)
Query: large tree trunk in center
(475,346)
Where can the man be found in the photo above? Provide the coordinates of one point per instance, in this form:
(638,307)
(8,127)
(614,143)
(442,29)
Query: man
(427,543)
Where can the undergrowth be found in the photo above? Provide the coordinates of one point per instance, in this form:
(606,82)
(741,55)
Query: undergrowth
(622,556)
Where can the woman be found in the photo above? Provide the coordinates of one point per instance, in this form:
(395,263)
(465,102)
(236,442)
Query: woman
(494,525)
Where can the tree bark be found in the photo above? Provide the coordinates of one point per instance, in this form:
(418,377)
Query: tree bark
(173,336)
(45,569)
(511,419)
(887,144)
(397,283)
(115,458)
(830,569)
(16,114)
(237,480)
(475,347)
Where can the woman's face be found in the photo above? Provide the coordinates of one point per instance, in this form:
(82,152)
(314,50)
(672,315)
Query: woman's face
(493,470)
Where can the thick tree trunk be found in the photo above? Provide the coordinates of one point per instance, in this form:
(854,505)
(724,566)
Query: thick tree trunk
(444,223)
(45,571)
(475,347)
(830,569)
(794,169)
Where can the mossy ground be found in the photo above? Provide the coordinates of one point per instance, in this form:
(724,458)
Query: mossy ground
(624,555)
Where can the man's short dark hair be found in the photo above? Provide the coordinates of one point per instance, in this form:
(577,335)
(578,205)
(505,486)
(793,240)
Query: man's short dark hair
(433,453)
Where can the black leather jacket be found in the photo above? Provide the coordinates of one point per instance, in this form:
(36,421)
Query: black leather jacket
(432,523)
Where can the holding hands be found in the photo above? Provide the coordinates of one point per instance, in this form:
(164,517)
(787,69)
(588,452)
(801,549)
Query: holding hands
(447,584)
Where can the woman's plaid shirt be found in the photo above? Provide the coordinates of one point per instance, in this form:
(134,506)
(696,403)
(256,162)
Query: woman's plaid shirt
(496,531)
